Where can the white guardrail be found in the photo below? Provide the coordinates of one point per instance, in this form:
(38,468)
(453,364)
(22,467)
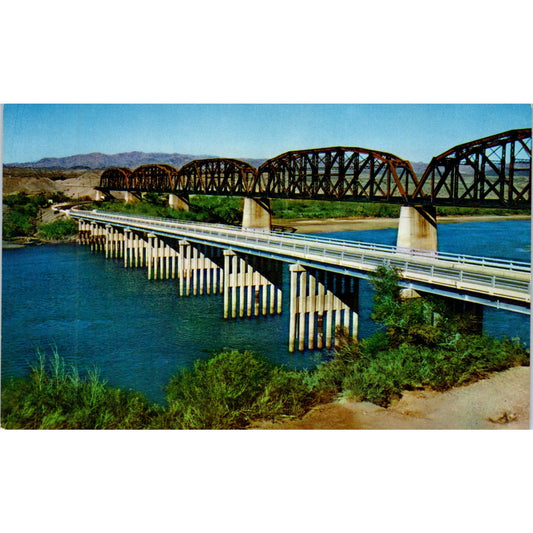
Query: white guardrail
(497,277)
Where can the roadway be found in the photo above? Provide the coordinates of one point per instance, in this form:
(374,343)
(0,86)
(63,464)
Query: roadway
(488,281)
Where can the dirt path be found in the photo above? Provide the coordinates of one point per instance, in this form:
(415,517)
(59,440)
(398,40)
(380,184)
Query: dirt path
(498,402)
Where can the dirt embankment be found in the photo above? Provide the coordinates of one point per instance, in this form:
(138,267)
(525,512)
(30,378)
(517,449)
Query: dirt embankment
(77,184)
(498,402)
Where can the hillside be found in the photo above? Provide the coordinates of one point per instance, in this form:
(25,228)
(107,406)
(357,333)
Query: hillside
(131,160)
(78,184)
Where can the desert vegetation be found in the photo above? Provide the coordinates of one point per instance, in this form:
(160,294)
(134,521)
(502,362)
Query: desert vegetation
(21,214)
(228,209)
(422,343)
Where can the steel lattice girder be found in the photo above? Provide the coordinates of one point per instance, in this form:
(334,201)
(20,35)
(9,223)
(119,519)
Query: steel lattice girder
(220,176)
(152,178)
(115,178)
(337,173)
(494,170)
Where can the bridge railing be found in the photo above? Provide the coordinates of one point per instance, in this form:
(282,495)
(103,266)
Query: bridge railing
(344,247)
(500,280)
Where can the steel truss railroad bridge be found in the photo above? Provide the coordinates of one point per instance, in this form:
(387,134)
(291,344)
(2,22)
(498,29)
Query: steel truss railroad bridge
(492,171)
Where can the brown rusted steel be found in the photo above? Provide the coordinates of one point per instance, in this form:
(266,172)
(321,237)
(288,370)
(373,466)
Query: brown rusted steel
(495,170)
(152,178)
(115,179)
(220,176)
(337,173)
(492,171)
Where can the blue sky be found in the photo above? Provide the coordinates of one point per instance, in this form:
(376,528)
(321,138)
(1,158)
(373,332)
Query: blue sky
(412,131)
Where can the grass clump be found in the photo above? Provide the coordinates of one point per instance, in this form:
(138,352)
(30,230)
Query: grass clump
(56,397)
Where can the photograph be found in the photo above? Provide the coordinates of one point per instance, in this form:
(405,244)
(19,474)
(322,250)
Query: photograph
(263,266)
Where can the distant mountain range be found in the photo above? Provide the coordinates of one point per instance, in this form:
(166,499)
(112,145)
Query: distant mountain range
(132,160)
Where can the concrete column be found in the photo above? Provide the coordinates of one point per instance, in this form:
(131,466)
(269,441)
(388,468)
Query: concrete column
(294,270)
(256,214)
(302,309)
(180,203)
(130,198)
(127,238)
(321,301)
(234,278)
(417,228)
(312,307)
(248,282)
(329,317)
(107,245)
(174,259)
(201,272)
(92,235)
(184,267)
(150,254)
(228,254)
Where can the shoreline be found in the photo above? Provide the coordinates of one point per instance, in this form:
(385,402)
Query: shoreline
(327,225)
(500,401)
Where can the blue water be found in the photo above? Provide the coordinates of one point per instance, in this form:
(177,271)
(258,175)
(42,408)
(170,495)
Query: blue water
(138,333)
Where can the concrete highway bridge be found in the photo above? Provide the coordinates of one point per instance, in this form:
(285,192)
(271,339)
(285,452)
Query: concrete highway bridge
(245,266)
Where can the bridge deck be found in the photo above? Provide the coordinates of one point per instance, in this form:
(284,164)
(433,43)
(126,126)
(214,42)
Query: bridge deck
(493,282)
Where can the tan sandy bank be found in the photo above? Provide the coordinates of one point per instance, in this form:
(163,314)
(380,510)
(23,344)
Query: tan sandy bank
(354,224)
(498,402)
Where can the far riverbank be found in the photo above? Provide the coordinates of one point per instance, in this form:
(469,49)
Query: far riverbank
(328,225)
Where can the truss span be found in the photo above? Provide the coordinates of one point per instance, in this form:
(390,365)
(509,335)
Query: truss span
(492,171)
(216,176)
(115,179)
(337,173)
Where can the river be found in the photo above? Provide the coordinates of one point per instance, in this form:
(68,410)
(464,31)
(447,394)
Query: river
(138,333)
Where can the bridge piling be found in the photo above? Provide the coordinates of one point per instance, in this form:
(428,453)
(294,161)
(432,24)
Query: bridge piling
(127,248)
(257,214)
(149,254)
(180,203)
(313,294)
(417,229)
(246,282)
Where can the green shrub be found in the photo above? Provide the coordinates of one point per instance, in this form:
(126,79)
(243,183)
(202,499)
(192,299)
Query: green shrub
(231,389)
(16,224)
(217,209)
(59,229)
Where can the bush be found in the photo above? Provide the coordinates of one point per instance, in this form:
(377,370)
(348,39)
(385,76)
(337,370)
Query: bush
(230,390)
(217,209)
(381,377)
(59,229)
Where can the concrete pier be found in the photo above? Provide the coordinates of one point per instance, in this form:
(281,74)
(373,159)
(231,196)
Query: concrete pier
(323,308)
(417,228)
(257,214)
(198,269)
(251,286)
(180,203)
(130,198)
